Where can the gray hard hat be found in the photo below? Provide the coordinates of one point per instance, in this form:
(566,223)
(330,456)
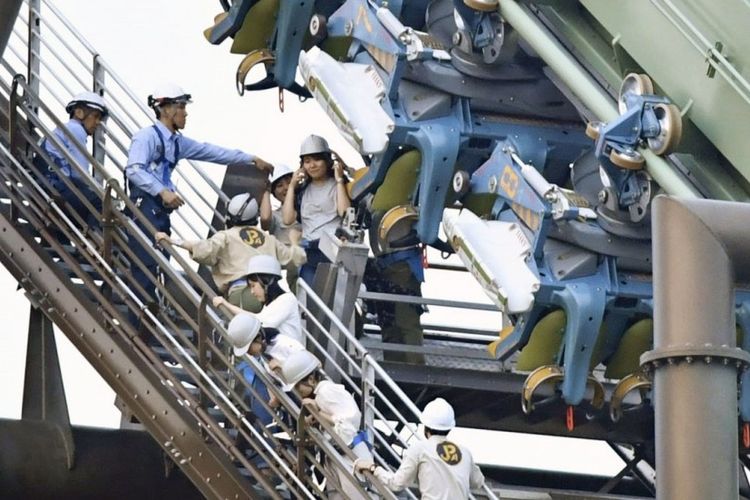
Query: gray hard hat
(242,208)
(314,145)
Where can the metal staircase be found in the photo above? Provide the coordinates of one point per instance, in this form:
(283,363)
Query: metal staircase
(173,374)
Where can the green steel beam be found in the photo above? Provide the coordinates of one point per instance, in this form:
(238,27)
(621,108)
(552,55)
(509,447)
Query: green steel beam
(585,88)
(674,42)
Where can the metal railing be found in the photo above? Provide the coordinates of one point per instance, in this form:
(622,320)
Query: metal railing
(190,332)
(219,384)
(390,421)
(59,63)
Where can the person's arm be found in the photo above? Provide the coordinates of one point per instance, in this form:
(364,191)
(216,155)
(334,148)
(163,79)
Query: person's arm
(139,162)
(342,197)
(219,301)
(202,251)
(288,211)
(266,212)
(204,151)
(476,480)
(292,253)
(403,477)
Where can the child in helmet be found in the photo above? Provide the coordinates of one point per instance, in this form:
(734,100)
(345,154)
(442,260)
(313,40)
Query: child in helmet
(301,373)
(229,251)
(317,198)
(87,110)
(443,469)
(272,220)
(279,307)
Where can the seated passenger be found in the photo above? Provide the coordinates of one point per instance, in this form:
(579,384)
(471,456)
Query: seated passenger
(272,219)
(317,198)
(280,309)
(337,407)
(86,110)
(229,251)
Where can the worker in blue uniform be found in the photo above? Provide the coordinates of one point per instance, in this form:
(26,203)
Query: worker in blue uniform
(86,110)
(154,153)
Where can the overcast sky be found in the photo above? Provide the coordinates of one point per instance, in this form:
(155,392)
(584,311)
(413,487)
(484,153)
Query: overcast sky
(152,41)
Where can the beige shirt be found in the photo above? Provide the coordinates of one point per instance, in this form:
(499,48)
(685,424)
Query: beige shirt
(443,469)
(228,251)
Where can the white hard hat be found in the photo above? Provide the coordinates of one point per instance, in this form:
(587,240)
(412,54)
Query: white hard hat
(168,93)
(438,415)
(280,170)
(243,329)
(90,100)
(313,145)
(242,208)
(297,366)
(264,264)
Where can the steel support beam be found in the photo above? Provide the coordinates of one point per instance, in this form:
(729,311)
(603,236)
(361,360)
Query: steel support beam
(9,10)
(584,87)
(43,391)
(701,247)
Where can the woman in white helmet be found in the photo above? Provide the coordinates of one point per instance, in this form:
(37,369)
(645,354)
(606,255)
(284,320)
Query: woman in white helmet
(86,111)
(272,219)
(228,252)
(270,349)
(301,373)
(443,469)
(153,155)
(317,198)
(280,308)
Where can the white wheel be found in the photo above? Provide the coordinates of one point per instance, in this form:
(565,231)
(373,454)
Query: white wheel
(593,129)
(630,161)
(670,133)
(636,83)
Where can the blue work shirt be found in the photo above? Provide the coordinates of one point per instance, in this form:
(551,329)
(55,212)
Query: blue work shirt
(75,127)
(142,170)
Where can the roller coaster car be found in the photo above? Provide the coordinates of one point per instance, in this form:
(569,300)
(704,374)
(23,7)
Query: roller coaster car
(459,101)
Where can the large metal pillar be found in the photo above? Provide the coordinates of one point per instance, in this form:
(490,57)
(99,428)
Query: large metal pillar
(43,391)
(8,13)
(701,247)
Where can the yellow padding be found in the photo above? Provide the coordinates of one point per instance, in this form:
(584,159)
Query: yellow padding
(544,342)
(217,19)
(636,340)
(492,346)
(356,176)
(257,28)
(399,183)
